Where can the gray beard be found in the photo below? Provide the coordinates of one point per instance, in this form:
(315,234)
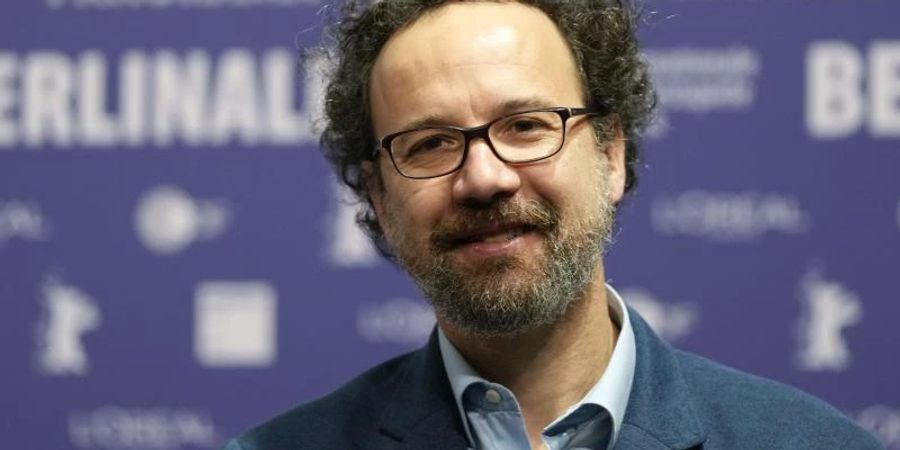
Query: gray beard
(487,303)
(490,306)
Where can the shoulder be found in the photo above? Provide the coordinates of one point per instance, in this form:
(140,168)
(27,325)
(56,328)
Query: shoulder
(739,407)
(346,416)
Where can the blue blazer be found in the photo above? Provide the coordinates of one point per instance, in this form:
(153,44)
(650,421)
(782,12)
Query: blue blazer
(678,401)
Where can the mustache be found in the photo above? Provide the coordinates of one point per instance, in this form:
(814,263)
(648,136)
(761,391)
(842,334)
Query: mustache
(532,215)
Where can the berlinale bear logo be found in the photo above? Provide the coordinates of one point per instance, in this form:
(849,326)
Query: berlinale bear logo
(67,315)
(828,309)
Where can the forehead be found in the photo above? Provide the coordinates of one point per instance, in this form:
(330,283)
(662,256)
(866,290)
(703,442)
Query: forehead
(464,60)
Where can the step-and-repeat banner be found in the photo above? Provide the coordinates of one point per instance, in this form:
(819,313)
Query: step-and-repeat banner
(178,263)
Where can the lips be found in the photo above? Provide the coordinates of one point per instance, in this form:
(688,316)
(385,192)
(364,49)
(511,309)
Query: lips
(502,237)
(494,233)
(491,228)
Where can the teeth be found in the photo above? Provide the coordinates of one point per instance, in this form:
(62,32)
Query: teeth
(503,237)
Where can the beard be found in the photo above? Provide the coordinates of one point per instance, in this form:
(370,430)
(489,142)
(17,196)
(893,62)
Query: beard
(511,294)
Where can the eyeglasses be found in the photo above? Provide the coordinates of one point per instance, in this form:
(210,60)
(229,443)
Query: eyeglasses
(429,152)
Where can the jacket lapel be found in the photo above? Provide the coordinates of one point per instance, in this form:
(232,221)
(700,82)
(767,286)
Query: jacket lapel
(660,412)
(422,412)
(660,415)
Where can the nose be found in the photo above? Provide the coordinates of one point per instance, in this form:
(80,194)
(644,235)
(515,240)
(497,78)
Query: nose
(484,178)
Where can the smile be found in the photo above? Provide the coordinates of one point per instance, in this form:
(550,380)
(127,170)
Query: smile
(491,234)
(504,237)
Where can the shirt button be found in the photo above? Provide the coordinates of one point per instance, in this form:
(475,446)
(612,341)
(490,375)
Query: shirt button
(492,396)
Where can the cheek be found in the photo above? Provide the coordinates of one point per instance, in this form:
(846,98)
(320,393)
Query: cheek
(577,174)
(577,185)
(415,207)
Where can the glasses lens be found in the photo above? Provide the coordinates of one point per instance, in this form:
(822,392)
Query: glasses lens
(527,136)
(428,152)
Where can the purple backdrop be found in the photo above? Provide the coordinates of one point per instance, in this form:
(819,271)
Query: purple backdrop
(177,262)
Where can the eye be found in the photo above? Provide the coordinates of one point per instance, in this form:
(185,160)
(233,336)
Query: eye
(432,143)
(526,125)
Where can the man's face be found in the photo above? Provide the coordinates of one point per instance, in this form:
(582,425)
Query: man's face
(497,248)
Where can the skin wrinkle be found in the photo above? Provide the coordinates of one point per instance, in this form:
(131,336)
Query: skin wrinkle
(504,109)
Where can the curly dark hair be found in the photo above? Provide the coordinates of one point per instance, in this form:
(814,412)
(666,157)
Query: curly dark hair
(601,34)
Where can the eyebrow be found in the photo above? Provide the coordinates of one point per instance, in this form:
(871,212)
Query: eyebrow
(508,107)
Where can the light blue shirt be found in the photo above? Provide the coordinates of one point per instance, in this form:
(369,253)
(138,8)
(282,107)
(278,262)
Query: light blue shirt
(493,420)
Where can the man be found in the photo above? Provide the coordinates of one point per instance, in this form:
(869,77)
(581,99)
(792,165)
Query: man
(491,142)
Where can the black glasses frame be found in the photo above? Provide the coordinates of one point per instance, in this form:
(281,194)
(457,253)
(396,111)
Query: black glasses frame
(481,131)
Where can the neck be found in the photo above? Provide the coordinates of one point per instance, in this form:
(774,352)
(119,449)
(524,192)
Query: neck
(549,368)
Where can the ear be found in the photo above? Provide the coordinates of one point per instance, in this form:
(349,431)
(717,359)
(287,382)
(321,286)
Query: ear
(371,178)
(615,158)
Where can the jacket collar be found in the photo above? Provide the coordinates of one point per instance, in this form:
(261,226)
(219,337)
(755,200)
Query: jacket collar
(422,412)
(660,414)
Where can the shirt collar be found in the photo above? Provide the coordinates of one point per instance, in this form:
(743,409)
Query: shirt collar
(611,391)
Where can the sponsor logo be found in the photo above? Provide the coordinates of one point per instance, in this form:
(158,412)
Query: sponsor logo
(235,324)
(119,428)
(850,89)
(828,308)
(167,220)
(67,315)
(883,421)
(727,216)
(702,80)
(159,99)
(23,220)
(670,320)
(397,321)
(349,245)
